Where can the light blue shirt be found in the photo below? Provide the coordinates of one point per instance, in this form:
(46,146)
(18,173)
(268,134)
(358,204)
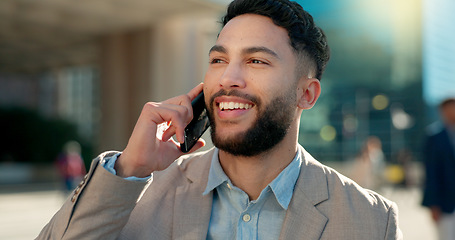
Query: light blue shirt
(234,215)
(109,163)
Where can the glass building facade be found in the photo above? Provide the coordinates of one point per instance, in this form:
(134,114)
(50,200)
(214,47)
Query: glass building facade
(373,83)
(438,51)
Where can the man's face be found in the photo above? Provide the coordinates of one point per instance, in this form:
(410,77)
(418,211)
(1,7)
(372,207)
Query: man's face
(250,85)
(448,112)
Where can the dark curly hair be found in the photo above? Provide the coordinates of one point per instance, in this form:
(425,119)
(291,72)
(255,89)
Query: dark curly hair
(307,39)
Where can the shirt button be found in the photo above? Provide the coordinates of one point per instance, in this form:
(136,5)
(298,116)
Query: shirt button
(246,217)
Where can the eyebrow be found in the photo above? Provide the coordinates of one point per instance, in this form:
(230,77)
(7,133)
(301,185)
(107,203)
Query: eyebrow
(249,50)
(218,48)
(260,50)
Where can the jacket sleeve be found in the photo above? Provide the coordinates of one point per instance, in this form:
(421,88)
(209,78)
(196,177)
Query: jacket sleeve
(98,208)
(393,231)
(433,168)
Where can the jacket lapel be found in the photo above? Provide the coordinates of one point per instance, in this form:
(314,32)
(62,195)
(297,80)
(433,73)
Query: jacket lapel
(303,220)
(191,213)
(192,209)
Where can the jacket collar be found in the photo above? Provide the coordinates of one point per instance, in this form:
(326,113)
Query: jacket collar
(196,166)
(302,217)
(192,208)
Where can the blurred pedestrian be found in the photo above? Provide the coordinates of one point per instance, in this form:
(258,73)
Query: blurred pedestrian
(439,159)
(70,165)
(368,170)
(404,159)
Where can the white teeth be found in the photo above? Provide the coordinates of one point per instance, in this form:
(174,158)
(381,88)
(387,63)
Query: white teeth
(233,105)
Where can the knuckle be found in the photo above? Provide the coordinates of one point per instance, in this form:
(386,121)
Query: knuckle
(179,111)
(175,115)
(150,106)
(184,115)
(187,114)
(190,115)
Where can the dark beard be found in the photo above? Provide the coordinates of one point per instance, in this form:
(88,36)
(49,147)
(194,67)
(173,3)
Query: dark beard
(270,128)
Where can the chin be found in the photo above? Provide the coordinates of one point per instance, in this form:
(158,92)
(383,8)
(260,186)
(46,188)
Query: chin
(229,135)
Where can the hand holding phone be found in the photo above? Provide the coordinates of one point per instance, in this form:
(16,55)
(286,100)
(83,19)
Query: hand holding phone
(198,125)
(150,147)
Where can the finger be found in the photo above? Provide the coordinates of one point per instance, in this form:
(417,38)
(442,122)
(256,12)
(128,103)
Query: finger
(192,94)
(170,131)
(178,115)
(195,91)
(175,129)
(182,105)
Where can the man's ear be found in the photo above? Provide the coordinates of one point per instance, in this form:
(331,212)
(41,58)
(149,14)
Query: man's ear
(308,93)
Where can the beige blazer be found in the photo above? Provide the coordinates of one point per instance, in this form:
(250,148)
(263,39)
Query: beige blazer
(325,205)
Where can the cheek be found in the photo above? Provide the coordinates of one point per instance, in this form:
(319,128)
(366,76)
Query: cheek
(210,82)
(208,78)
(277,86)
(264,81)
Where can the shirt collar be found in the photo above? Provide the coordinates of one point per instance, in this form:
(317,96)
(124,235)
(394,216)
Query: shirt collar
(216,174)
(282,186)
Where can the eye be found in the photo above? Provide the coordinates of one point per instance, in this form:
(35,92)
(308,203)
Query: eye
(216,60)
(257,61)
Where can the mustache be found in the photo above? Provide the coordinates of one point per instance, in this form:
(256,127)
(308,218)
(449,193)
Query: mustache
(235,93)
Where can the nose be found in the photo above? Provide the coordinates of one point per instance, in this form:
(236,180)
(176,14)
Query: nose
(233,77)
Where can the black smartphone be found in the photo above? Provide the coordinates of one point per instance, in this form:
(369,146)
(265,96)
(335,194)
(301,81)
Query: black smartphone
(198,125)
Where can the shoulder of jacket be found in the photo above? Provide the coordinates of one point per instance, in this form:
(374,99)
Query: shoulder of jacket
(352,191)
(341,186)
(434,129)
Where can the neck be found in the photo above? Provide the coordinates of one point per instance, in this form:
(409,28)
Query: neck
(253,174)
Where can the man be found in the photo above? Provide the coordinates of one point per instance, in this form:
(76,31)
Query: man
(258,183)
(439,159)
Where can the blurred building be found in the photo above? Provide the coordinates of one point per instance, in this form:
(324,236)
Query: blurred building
(95,63)
(439,51)
(373,84)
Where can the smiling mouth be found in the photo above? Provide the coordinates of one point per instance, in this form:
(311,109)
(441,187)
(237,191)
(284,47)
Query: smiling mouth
(229,106)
